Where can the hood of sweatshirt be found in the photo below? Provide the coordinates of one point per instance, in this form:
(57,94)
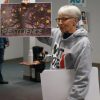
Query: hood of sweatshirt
(81,32)
(78,34)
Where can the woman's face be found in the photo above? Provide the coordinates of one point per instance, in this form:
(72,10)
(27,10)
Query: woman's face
(66,23)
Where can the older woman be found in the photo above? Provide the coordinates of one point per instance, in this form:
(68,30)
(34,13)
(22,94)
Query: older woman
(76,53)
(77,49)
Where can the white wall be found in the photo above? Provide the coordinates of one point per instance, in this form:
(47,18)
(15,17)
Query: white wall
(92,7)
(94,22)
(15,49)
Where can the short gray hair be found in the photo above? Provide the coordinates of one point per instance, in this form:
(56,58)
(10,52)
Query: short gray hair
(70,10)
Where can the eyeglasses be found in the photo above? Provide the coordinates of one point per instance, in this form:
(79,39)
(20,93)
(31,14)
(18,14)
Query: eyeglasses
(62,19)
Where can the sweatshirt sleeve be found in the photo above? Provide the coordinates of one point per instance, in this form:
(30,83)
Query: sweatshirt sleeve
(45,40)
(83,67)
(49,40)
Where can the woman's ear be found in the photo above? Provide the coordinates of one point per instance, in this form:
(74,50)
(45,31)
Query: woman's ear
(75,20)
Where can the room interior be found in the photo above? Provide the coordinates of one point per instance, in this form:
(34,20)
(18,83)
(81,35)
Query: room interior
(21,87)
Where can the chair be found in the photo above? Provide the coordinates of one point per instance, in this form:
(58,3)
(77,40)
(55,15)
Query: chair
(38,55)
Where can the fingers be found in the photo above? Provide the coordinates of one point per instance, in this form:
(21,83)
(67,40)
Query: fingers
(6,1)
(25,1)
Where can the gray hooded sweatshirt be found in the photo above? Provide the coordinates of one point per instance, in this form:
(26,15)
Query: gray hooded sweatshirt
(77,55)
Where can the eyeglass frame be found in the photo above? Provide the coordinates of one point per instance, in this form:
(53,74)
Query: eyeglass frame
(63,19)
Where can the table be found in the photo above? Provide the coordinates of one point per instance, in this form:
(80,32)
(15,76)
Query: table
(31,65)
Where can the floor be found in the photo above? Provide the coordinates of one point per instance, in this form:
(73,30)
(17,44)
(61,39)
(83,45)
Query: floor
(18,88)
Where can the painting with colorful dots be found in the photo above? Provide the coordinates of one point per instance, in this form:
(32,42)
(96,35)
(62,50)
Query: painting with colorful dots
(32,19)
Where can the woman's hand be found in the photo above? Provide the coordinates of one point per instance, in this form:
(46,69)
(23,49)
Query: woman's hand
(25,1)
(6,1)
